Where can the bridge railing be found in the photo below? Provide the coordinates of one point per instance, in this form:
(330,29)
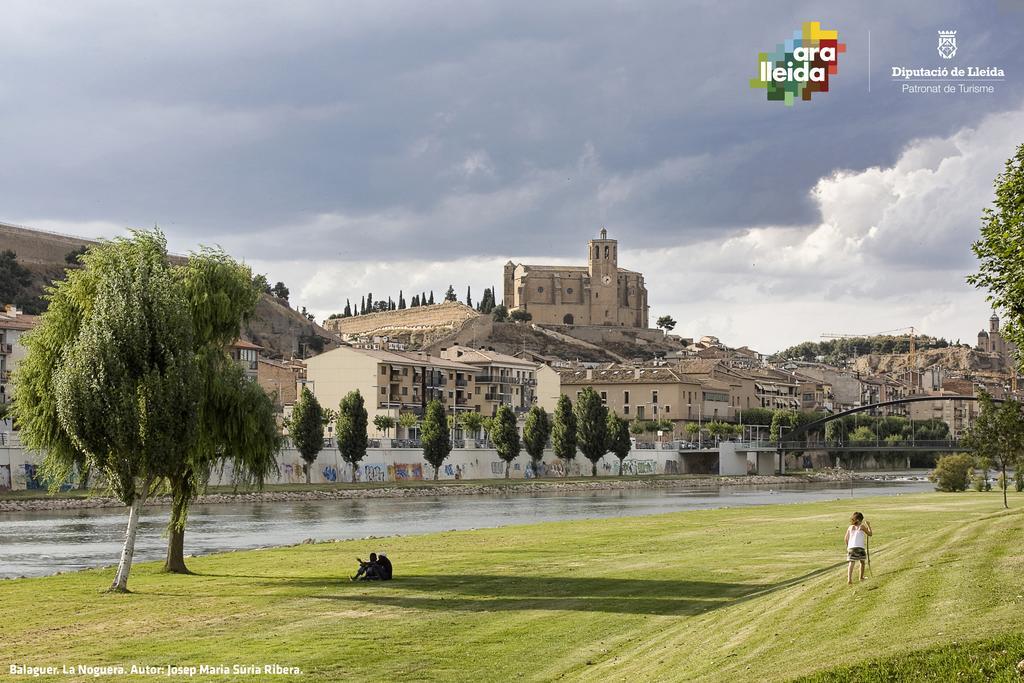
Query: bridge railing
(916,444)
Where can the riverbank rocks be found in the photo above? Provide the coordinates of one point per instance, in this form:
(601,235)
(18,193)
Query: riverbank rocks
(453,489)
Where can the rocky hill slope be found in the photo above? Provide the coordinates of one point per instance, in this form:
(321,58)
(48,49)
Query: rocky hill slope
(276,327)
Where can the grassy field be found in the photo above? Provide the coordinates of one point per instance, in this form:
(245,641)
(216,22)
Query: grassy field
(737,594)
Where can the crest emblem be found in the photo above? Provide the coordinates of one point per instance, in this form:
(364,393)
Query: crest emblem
(947,44)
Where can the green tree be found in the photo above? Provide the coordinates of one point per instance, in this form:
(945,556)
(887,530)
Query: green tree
(471,422)
(783,421)
(591,427)
(563,431)
(280,291)
(407,421)
(124,318)
(505,436)
(862,434)
(536,431)
(14,278)
(952,472)
(351,430)
(71,258)
(259,281)
(384,423)
(520,316)
(469,297)
(618,437)
(450,294)
(1001,268)
(499,313)
(236,424)
(306,428)
(435,437)
(667,323)
(997,436)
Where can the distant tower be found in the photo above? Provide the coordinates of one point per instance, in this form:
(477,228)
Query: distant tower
(603,265)
(993,325)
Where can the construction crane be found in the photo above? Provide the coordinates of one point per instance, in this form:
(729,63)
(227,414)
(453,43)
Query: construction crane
(900,332)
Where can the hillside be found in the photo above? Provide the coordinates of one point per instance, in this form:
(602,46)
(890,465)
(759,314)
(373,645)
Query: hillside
(276,327)
(954,358)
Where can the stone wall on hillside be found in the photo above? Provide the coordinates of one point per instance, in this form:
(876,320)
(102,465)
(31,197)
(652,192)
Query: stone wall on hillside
(33,246)
(449,315)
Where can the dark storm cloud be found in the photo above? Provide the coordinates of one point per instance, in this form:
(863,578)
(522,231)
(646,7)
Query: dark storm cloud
(350,130)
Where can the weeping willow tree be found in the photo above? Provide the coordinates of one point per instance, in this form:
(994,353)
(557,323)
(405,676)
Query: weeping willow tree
(236,431)
(109,379)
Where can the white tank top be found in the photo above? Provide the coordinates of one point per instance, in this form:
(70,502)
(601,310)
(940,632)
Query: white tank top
(857,538)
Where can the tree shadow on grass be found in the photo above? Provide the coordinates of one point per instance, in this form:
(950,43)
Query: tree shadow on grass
(495,593)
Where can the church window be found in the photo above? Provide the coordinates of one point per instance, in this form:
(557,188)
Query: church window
(597,252)
(568,290)
(540,290)
(606,251)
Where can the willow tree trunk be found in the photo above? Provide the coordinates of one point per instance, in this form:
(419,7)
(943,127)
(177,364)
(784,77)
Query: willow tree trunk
(180,497)
(1005,486)
(120,584)
(593,468)
(508,466)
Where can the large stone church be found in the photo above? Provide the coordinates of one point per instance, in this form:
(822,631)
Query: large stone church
(599,293)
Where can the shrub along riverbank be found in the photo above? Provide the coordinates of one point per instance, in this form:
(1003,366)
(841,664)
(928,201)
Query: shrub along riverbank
(743,594)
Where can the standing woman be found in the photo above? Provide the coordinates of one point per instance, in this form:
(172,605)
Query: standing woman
(856,544)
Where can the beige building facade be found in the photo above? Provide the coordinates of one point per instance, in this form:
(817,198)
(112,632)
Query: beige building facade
(13,324)
(391,382)
(599,293)
(501,379)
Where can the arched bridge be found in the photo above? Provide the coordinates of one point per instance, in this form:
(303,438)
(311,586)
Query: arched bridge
(793,440)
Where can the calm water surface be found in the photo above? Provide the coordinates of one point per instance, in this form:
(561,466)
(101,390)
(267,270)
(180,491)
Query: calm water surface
(45,542)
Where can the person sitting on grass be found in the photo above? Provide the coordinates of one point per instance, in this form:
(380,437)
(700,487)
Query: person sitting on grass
(385,567)
(856,544)
(377,569)
(368,571)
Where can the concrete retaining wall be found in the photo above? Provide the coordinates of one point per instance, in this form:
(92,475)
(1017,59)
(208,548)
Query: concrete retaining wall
(18,469)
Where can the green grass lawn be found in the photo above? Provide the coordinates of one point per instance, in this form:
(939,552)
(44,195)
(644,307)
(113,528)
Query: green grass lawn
(757,593)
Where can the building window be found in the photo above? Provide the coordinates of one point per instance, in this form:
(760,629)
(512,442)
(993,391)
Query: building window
(625,410)
(654,396)
(597,252)
(604,397)
(405,391)
(405,372)
(606,251)
(667,408)
(383,369)
(383,391)
(540,290)
(625,397)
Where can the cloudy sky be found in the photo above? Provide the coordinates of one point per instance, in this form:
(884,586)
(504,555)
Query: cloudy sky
(371,146)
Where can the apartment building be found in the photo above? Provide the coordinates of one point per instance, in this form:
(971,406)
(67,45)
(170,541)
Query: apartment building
(741,385)
(501,379)
(13,324)
(281,379)
(247,355)
(391,382)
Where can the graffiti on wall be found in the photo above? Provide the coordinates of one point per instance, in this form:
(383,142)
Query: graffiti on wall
(372,472)
(26,477)
(497,467)
(293,472)
(456,471)
(639,467)
(5,477)
(330,473)
(558,469)
(672,467)
(401,470)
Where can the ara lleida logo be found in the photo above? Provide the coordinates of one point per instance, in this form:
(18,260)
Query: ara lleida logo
(801,66)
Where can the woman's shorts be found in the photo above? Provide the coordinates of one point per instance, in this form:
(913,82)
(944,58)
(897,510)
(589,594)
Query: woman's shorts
(855,554)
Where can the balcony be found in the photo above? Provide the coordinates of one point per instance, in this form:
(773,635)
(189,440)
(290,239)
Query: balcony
(461,382)
(6,348)
(504,398)
(5,375)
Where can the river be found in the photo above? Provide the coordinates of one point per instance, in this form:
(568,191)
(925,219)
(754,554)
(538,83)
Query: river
(38,543)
